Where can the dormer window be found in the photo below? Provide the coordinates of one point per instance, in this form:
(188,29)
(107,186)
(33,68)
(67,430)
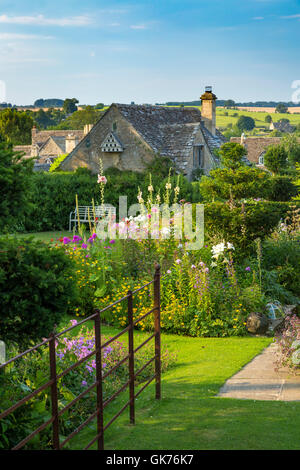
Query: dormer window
(261,160)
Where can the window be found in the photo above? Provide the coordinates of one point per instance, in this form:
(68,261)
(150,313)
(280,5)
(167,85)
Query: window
(198,156)
(114,126)
(261,160)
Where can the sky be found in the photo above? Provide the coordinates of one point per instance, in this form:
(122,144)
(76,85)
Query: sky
(149,51)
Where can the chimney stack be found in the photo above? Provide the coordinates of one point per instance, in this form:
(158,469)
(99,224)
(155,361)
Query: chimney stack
(71,142)
(87,128)
(208,110)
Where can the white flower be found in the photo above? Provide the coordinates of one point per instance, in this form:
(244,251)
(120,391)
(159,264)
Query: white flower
(168,186)
(230,246)
(150,188)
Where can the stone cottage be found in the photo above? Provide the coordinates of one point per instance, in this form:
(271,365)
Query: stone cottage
(128,137)
(256,147)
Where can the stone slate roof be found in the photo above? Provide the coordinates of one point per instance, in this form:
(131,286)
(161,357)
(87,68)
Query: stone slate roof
(283,126)
(169,130)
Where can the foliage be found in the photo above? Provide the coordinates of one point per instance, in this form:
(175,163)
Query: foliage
(79,118)
(245,123)
(15,187)
(30,372)
(281,188)
(16,126)
(227,183)
(275,158)
(292,147)
(69,105)
(281,108)
(36,289)
(55,165)
(231,155)
(243,222)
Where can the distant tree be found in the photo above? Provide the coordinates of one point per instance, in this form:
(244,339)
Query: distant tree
(245,123)
(229,103)
(276,159)
(99,106)
(16,126)
(69,105)
(281,108)
(88,115)
(39,103)
(268,118)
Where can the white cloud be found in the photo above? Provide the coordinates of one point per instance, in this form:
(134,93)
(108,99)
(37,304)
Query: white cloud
(41,20)
(16,36)
(258,18)
(291,17)
(138,26)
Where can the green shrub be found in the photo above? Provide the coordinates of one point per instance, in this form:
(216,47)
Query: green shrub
(35,289)
(15,187)
(281,188)
(243,223)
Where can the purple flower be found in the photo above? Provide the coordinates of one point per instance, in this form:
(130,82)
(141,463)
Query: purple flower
(248,268)
(76,238)
(66,240)
(112,242)
(178,261)
(94,236)
(84,246)
(84,383)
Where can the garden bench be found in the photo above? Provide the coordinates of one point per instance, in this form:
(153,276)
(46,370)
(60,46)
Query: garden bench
(86,212)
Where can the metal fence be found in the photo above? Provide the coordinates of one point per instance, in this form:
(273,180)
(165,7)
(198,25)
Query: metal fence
(97,352)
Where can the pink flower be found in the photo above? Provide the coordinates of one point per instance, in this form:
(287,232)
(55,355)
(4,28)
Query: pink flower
(101,179)
(178,261)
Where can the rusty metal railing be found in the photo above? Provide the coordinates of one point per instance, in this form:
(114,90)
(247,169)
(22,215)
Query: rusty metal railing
(97,352)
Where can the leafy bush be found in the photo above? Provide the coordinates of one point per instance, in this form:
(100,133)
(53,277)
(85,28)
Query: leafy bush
(282,255)
(281,188)
(35,289)
(243,223)
(15,187)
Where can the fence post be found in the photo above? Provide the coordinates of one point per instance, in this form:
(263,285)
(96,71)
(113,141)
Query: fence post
(54,399)
(131,357)
(157,331)
(99,382)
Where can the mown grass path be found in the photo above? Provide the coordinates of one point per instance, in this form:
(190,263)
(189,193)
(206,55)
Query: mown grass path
(190,416)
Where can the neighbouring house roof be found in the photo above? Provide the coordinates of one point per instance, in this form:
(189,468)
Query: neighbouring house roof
(256,146)
(60,141)
(40,137)
(24,149)
(283,126)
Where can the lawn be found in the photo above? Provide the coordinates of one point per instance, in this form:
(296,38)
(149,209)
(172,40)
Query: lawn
(189,415)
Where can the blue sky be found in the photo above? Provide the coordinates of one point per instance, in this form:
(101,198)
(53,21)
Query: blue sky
(149,51)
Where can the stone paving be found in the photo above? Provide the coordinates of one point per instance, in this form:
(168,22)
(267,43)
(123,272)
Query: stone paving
(259,381)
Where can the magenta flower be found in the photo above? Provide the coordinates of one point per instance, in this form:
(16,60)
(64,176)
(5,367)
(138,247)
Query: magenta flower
(66,240)
(248,268)
(84,246)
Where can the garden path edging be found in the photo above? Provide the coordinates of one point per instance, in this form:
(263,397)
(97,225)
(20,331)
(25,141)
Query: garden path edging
(259,380)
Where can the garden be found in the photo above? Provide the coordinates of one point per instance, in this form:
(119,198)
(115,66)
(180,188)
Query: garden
(247,263)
